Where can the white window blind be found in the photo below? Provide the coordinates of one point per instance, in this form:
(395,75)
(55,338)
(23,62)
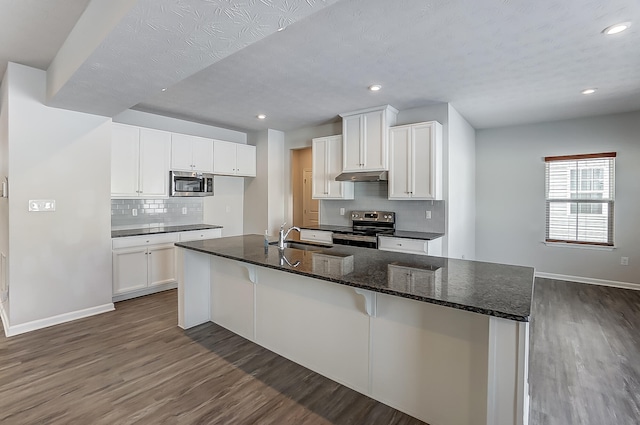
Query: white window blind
(580,198)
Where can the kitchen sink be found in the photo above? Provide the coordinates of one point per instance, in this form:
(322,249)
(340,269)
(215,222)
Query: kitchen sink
(304,246)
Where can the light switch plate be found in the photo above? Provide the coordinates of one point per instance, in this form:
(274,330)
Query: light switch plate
(40,205)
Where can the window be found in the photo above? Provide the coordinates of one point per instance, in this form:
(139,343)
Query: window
(580,196)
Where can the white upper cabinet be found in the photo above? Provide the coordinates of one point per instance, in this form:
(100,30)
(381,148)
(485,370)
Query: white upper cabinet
(125,162)
(191,153)
(234,159)
(365,137)
(245,160)
(139,162)
(415,161)
(327,164)
(155,151)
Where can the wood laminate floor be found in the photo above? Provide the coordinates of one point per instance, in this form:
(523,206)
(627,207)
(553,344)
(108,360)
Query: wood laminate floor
(584,365)
(134,366)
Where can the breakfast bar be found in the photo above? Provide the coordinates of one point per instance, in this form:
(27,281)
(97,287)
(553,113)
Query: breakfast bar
(444,340)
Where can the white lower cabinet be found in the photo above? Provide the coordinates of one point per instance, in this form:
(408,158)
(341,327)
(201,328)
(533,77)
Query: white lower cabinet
(410,246)
(320,236)
(146,264)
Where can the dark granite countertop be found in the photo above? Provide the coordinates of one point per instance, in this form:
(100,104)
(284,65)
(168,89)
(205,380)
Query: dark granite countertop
(153,230)
(407,234)
(486,288)
(328,228)
(415,235)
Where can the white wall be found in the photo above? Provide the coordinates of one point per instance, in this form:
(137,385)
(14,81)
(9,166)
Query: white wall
(256,190)
(264,204)
(276,172)
(60,261)
(510,208)
(4,203)
(226,207)
(461,200)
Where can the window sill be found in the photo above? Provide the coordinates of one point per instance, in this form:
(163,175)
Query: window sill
(579,246)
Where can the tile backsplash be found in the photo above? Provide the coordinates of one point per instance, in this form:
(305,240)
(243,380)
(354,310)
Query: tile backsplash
(410,215)
(152,212)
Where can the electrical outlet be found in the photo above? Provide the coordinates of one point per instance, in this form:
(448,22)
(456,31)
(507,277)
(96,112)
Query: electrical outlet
(134,212)
(427,215)
(341,211)
(184,210)
(624,261)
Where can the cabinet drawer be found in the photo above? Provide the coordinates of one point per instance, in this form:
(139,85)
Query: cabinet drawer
(321,236)
(195,235)
(131,241)
(411,246)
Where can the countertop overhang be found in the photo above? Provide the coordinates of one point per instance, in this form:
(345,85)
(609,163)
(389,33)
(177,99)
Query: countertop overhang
(498,290)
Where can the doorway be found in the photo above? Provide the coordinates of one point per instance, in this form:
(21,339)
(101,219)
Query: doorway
(310,213)
(305,209)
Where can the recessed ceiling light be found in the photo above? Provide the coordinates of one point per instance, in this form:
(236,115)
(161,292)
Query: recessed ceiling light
(375,87)
(281,29)
(261,116)
(617,28)
(163,89)
(588,91)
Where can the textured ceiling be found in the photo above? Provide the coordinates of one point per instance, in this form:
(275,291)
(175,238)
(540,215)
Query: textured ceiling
(499,62)
(160,42)
(32,31)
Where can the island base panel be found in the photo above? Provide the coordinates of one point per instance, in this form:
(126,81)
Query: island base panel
(194,288)
(318,324)
(430,361)
(232,297)
(439,364)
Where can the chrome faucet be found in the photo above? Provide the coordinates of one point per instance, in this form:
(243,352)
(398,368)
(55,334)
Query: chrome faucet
(283,235)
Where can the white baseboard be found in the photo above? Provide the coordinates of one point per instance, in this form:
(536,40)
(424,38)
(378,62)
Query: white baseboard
(56,320)
(145,291)
(5,319)
(590,281)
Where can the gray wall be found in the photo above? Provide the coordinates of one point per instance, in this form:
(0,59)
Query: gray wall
(372,196)
(510,207)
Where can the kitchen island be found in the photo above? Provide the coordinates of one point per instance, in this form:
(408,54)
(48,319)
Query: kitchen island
(441,339)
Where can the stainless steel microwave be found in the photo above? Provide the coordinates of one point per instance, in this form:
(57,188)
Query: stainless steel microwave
(187,183)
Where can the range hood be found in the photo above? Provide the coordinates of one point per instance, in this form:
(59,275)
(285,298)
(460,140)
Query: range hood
(363,176)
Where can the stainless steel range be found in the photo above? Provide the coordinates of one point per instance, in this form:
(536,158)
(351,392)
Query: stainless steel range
(365,228)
